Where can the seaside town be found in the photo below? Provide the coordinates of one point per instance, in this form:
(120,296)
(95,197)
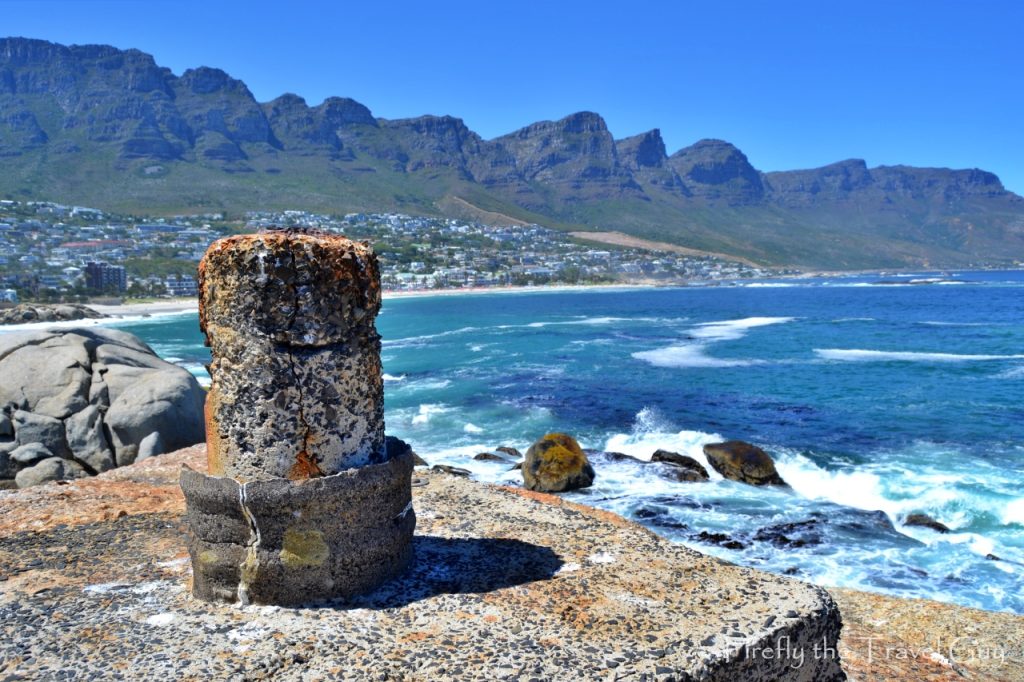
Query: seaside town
(50,251)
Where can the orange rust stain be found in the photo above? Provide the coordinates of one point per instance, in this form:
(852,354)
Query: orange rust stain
(305,467)
(491,619)
(415,637)
(214,460)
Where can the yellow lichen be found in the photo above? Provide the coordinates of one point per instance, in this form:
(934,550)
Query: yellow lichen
(303,549)
(208,557)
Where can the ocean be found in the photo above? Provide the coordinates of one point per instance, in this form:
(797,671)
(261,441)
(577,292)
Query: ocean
(878,396)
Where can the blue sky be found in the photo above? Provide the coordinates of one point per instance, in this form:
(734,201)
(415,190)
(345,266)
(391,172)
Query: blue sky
(792,84)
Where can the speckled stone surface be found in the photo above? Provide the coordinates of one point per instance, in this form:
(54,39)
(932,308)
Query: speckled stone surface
(504,584)
(297,390)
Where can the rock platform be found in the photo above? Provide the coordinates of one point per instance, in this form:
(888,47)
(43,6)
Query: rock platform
(505,584)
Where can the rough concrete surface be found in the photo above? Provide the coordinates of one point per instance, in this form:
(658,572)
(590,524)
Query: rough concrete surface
(505,584)
(297,389)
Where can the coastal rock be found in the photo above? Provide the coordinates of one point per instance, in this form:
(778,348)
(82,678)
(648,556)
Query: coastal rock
(28,455)
(91,397)
(511,452)
(87,440)
(419,461)
(680,467)
(743,462)
(556,463)
(925,521)
(38,428)
(489,457)
(52,469)
(164,402)
(39,312)
(454,471)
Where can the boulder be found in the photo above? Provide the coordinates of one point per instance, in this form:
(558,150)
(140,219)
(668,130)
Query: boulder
(680,467)
(38,428)
(151,446)
(95,397)
(87,440)
(454,471)
(925,521)
(489,457)
(419,461)
(743,462)
(47,378)
(511,452)
(52,469)
(29,312)
(27,455)
(556,463)
(168,402)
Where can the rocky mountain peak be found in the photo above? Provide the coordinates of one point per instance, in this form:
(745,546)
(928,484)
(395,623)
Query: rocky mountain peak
(646,150)
(718,170)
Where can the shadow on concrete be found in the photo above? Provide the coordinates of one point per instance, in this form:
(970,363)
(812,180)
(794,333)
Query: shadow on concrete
(462,566)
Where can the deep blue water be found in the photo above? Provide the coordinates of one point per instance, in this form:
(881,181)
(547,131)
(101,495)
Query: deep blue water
(893,397)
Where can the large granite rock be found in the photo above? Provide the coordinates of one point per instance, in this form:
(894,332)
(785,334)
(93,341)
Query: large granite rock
(504,584)
(556,463)
(89,398)
(743,462)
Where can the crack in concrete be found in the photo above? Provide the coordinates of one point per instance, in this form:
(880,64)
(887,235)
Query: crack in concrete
(249,567)
(305,464)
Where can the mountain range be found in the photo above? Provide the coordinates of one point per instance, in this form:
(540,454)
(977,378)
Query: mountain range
(100,126)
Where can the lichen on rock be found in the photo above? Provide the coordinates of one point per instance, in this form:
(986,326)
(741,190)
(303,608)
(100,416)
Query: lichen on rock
(556,463)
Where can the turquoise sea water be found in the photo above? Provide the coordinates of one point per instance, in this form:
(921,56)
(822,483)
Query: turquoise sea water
(876,396)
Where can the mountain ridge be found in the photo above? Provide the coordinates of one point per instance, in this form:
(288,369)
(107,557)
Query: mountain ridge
(98,125)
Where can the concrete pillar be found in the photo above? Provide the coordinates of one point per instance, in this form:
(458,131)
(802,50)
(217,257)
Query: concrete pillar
(306,500)
(297,387)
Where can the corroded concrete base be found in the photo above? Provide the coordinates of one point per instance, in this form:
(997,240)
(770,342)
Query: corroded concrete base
(296,542)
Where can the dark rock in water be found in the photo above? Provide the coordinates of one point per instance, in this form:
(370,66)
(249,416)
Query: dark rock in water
(681,460)
(614,456)
(556,463)
(925,521)
(419,461)
(797,534)
(454,471)
(511,452)
(743,462)
(489,457)
(720,539)
(658,517)
(678,467)
(518,466)
(681,474)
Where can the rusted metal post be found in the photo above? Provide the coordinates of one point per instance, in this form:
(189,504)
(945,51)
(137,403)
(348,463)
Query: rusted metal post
(305,498)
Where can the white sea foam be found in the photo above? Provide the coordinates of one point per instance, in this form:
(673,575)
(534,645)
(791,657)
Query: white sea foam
(859,355)
(1014,512)
(688,356)
(419,340)
(428,411)
(472,428)
(1012,373)
(389,378)
(730,330)
(694,355)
